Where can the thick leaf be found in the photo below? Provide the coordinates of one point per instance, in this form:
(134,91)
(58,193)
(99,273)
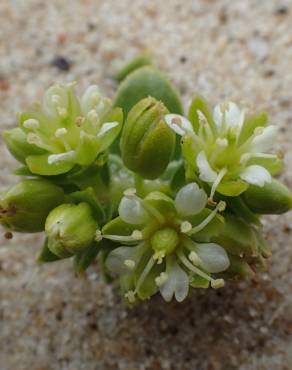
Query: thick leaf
(46,255)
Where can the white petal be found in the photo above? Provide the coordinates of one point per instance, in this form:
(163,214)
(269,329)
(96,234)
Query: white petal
(213,257)
(256,175)
(90,99)
(206,172)
(233,115)
(190,200)
(115,261)
(132,211)
(107,127)
(177,284)
(56,158)
(265,140)
(179,124)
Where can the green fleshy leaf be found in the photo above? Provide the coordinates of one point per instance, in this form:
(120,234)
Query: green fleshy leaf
(84,259)
(237,237)
(38,164)
(200,104)
(119,227)
(144,82)
(141,60)
(239,268)
(240,209)
(250,124)
(46,255)
(272,198)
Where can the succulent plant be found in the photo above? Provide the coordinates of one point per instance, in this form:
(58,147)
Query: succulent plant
(162,213)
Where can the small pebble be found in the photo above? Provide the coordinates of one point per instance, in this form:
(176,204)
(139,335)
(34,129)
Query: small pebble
(61,63)
(282,10)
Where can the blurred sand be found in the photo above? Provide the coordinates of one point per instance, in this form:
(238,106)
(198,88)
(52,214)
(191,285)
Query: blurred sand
(238,50)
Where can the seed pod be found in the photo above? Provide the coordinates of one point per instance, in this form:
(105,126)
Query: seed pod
(272,198)
(70,229)
(147,143)
(25,206)
(143,82)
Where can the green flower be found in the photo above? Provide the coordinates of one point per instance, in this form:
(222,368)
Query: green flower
(166,244)
(226,150)
(65,131)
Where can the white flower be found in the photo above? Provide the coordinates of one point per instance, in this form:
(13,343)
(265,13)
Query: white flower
(256,175)
(228,114)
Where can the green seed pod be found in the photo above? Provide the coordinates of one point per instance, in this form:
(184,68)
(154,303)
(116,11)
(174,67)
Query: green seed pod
(272,198)
(70,229)
(147,143)
(141,60)
(18,146)
(25,206)
(143,82)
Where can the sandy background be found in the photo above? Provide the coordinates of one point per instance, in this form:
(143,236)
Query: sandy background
(237,49)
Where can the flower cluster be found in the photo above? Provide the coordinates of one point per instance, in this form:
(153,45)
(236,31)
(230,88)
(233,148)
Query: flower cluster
(226,150)
(165,202)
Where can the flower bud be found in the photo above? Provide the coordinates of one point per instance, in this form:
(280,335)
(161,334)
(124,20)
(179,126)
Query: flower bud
(70,229)
(25,206)
(143,82)
(18,146)
(272,198)
(147,143)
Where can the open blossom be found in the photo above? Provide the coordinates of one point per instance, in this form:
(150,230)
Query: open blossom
(226,149)
(166,244)
(65,131)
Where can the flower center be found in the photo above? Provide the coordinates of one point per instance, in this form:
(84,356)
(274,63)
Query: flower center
(165,240)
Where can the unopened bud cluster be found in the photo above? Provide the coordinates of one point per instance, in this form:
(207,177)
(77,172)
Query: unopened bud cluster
(166,202)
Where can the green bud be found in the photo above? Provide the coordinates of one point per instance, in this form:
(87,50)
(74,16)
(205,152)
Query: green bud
(141,60)
(147,143)
(18,146)
(272,198)
(25,206)
(165,240)
(143,82)
(70,229)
